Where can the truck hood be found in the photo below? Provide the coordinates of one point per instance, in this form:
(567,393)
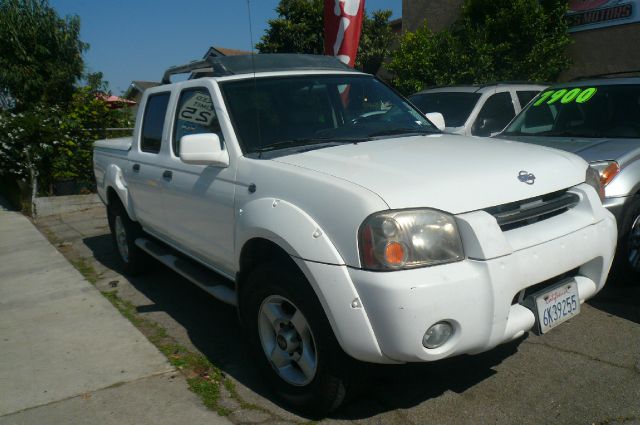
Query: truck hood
(591,149)
(446,172)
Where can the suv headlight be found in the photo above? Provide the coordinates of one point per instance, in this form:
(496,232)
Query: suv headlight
(593,179)
(405,239)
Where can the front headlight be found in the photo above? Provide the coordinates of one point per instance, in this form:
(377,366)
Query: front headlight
(405,239)
(593,179)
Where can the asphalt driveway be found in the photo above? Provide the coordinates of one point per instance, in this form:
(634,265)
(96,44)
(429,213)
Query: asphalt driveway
(584,372)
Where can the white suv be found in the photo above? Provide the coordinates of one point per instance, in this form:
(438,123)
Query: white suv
(482,110)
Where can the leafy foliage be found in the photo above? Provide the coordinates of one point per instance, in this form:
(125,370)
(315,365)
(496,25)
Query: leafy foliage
(493,40)
(28,140)
(55,142)
(40,53)
(84,121)
(375,40)
(299,28)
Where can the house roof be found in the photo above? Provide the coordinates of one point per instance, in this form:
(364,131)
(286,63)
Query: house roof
(216,51)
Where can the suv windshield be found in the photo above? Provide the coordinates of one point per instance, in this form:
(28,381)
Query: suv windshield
(454,106)
(610,111)
(281,112)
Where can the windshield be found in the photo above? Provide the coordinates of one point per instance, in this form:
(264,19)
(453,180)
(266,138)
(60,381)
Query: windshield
(282,112)
(455,106)
(610,111)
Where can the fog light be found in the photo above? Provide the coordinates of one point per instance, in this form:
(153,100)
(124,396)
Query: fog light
(437,335)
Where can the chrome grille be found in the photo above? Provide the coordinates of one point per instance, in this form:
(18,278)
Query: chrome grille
(522,213)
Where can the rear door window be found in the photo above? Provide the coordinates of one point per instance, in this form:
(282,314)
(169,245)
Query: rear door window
(153,122)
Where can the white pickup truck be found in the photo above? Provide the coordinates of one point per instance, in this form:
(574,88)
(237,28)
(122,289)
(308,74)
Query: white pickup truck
(342,221)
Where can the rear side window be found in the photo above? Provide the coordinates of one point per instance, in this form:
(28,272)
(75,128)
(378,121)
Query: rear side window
(153,122)
(195,115)
(525,97)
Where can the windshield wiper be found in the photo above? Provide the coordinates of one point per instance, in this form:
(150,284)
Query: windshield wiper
(308,141)
(566,133)
(402,131)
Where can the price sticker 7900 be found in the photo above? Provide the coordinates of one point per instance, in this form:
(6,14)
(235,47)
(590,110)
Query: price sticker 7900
(565,96)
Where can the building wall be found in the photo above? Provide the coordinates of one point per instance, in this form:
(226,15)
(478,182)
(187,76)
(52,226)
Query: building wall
(597,51)
(604,50)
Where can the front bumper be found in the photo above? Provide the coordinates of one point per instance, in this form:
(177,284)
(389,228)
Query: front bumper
(394,309)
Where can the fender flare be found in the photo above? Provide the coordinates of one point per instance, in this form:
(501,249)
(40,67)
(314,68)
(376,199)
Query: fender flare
(289,227)
(300,236)
(116,181)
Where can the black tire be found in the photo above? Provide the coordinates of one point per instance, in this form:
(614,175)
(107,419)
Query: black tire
(333,380)
(133,260)
(627,263)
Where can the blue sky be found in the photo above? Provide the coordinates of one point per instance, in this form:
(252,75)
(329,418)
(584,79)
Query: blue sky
(139,39)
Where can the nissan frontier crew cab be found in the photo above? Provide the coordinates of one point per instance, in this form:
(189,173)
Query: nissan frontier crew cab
(344,224)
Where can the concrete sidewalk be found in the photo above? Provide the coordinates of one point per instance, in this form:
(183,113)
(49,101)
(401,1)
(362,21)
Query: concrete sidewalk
(67,355)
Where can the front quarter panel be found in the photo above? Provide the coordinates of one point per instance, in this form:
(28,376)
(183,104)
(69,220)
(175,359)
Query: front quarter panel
(313,216)
(626,183)
(288,226)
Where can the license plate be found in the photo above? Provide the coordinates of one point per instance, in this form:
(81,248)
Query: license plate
(557,305)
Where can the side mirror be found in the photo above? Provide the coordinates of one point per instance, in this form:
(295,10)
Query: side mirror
(203,149)
(437,119)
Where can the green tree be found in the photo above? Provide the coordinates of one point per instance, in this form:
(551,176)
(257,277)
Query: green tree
(40,53)
(299,28)
(375,41)
(492,40)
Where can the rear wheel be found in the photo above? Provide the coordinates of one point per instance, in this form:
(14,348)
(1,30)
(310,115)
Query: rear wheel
(124,232)
(291,337)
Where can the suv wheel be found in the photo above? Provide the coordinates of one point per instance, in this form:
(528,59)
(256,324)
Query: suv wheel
(627,263)
(291,337)
(124,232)
(633,246)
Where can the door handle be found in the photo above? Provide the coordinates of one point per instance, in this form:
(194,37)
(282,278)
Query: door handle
(136,167)
(167,174)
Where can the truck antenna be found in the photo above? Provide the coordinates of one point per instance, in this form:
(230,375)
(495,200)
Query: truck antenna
(253,66)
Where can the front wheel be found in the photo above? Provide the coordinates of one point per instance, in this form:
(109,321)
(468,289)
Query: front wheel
(291,337)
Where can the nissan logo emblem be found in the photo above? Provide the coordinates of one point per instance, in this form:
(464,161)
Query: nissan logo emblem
(526,177)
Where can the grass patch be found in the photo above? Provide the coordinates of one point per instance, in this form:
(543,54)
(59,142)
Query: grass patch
(203,377)
(85,269)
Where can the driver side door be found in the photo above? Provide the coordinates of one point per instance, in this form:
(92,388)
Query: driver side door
(199,199)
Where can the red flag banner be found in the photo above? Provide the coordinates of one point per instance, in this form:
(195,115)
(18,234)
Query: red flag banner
(342,25)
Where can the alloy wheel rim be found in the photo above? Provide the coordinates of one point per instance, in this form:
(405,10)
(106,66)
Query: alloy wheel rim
(287,340)
(121,239)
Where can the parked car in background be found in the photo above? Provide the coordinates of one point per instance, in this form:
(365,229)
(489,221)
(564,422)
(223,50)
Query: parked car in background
(600,121)
(476,110)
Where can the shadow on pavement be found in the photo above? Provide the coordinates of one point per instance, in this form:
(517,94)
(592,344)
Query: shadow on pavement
(214,330)
(620,297)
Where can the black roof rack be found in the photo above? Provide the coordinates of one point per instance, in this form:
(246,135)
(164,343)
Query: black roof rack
(619,74)
(248,64)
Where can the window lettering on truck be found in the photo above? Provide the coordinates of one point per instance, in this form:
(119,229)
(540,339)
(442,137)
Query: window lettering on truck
(153,122)
(195,115)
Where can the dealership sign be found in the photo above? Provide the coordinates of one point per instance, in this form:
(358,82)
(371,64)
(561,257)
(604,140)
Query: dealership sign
(590,14)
